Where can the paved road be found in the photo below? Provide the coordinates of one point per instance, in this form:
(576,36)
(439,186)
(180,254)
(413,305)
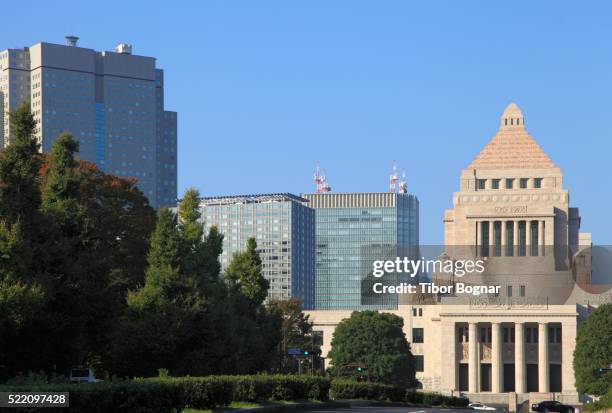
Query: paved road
(385,409)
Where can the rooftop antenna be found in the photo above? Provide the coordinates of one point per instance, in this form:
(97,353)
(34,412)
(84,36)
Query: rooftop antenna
(403,187)
(71,40)
(393,178)
(322,186)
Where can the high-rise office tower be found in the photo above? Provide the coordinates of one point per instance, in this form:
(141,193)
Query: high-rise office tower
(282,225)
(111,102)
(352,230)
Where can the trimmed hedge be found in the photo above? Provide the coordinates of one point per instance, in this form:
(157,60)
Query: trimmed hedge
(171,395)
(350,389)
(124,396)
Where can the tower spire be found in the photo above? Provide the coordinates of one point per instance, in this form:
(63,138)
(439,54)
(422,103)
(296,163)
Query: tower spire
(512,118)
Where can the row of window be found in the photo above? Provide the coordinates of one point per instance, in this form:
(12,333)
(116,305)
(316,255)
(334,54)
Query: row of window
(509,183)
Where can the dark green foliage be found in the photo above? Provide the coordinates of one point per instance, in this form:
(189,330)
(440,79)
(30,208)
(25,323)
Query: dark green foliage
(163,314)
(594,351)
(85,281)
(605,402)
(375,342)
(20,164)
(244,274)
(162,395)
(352,389)
(295,332)
(63,249)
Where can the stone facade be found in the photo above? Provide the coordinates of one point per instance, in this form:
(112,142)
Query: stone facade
(512,211)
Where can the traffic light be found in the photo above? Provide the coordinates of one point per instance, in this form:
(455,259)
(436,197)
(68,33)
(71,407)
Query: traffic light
(359,369)
(306,352)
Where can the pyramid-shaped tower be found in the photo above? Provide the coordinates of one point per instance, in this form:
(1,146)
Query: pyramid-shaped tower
(512,146)
(512,192)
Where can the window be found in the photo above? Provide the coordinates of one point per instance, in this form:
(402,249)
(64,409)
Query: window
(509,291)
(419,363)
(508,334)
(509,183)
(417,335)
(481,183)
(531,334)
(495,183)
(524,182)
(485,335)
(554,335)
(420,312)
(522,291)
(537,183)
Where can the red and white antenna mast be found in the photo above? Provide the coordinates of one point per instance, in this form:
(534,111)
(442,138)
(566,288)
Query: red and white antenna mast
(393,178)
(322,186)
(403,187)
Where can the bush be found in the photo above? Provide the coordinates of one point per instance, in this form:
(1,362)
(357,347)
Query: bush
(279,387)
(604,402)
(414,397)
(351,389)
(120,397)
(171,394)
(436,399)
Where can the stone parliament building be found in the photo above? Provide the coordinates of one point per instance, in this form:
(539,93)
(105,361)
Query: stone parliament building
(513,211)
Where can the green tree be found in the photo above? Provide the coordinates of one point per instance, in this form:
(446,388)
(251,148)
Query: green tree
(244,274)
(376,343)
(77,277)
(295,332)
(121,225)
(19,171)
(593,352)
(21,292)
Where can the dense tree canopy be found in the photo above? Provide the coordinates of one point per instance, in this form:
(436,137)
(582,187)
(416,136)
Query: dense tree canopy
(295,332)
(593,354)
(91,275)
(375,343)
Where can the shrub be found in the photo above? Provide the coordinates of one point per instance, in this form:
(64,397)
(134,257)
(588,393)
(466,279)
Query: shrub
(604,402)
(120,397)
(413,396)
(436,399)
(172,394)
(351,389)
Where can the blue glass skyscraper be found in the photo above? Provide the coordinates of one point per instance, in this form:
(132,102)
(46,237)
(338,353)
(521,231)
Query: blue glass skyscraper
(282,225)
(351,231)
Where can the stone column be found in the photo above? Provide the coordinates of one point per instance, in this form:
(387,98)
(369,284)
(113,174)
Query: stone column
(515,230)
(542,238)
(448,346)
(519,358)
(504,238)
(528,237)
(473,362)
(478,229)
(497,366)
(491,238)
(543,372)
(569,330)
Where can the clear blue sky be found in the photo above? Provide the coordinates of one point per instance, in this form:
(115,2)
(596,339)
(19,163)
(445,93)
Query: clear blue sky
(265,89)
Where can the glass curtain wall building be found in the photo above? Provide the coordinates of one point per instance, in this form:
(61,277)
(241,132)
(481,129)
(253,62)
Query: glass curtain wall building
(352,230)
(112,102)
(283,226)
